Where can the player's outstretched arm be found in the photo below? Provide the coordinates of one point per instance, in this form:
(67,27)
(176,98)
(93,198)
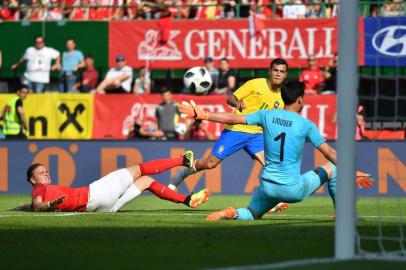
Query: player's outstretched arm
(363,180)
(25,208)
(328,152)
(39,206)
(193,111)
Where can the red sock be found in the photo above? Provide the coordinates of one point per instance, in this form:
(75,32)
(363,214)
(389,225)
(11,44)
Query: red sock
(166,193)
(160,165)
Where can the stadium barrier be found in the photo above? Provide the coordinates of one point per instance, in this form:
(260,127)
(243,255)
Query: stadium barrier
(86,116)
(77,163)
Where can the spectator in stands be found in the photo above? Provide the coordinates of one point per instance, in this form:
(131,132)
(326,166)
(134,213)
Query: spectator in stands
(167,115)
(296,10)
(80,13)
(315,10)
(331,7)
(214,72)
(35,11)
(89,77)
(228,9)
(177,9)
(39,59)
(330,75)
(13,115)
(145,129)
(198,130)
(393,8)
(142,85)
(9,10)
(100,13)
(262,6)
(118,79)
(360,129)
(131,10)
(226,80)
(312,77)
(72,61)
(211,10)
(52,11)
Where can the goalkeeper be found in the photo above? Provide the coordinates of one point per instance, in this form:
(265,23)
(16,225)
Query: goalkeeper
(285,132)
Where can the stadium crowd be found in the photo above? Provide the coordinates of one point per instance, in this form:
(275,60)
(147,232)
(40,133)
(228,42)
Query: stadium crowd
(185,9)
(50,10)
(77,73)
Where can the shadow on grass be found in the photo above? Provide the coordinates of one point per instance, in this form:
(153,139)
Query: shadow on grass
(136,246)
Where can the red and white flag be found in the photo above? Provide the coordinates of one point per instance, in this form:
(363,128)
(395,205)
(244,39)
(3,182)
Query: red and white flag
(256,24)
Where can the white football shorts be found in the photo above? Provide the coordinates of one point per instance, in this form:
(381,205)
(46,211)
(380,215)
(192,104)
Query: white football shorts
(104,193)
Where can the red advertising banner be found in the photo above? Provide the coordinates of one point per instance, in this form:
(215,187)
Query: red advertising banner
(189,42)
(115,114)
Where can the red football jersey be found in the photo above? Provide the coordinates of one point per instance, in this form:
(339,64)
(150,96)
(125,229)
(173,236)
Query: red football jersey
(75,201)
(312,78)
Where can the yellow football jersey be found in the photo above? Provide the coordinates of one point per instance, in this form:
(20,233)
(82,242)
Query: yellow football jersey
(256,96)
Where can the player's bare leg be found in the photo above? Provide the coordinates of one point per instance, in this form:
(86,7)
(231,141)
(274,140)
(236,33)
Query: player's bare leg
(206,163)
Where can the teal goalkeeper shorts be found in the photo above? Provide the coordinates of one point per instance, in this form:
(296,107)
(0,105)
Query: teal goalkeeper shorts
(270,193)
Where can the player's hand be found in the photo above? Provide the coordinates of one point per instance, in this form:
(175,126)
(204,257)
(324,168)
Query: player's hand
(240,105)
(192,111)
(364,180)
(57,201)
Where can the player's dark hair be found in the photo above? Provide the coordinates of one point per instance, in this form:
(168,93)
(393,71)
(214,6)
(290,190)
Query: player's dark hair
(291,91)
(224,59)
(30,171)
(71,39)
(278,61)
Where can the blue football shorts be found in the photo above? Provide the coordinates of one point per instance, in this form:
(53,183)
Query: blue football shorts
(270,193)
(233,141)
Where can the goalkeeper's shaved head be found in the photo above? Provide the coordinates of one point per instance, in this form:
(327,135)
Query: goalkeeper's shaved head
(291,91)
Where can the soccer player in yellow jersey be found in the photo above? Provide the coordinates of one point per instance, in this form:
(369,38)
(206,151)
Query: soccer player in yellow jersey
(254,95)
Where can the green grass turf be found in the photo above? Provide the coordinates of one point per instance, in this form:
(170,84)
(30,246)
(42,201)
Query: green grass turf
(153,234)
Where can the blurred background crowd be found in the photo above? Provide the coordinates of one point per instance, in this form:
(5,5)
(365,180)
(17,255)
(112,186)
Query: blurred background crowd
(37,10)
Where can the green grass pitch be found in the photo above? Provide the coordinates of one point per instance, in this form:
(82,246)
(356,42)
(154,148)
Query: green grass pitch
(153,234)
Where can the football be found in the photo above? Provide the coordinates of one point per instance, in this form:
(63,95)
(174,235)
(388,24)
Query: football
(197,80)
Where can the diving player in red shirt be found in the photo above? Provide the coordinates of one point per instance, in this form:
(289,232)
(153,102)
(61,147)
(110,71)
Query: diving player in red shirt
(111,192)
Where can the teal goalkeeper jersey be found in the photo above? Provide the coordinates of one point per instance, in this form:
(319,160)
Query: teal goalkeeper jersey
(284,136)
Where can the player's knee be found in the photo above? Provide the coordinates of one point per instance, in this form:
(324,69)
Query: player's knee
(330,170)
(135,171)
(143,182)
(212,163)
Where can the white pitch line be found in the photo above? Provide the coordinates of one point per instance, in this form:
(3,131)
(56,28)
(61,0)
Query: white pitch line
(278,265)
(274,216)
(43,215)
(313,261)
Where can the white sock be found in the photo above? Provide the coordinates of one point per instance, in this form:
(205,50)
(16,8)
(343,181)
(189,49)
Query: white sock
(131,193)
